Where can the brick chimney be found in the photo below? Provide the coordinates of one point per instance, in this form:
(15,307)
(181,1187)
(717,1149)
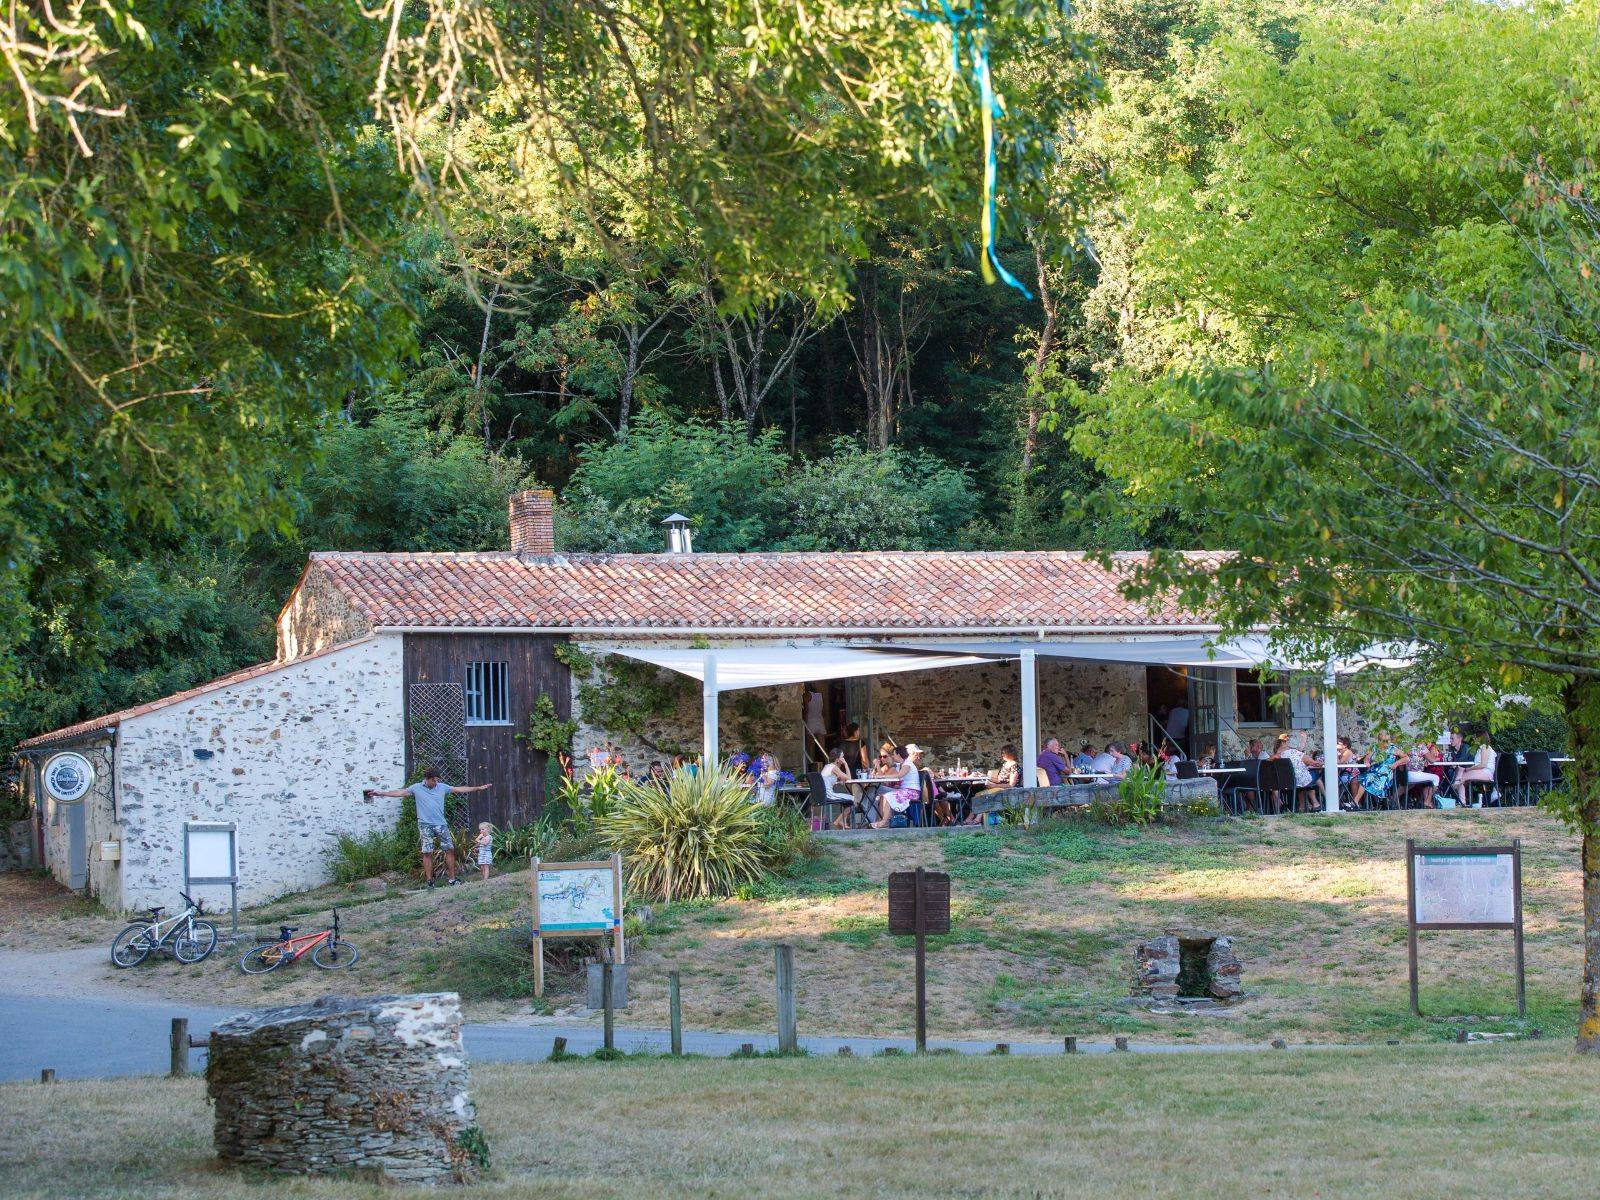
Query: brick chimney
(533,522)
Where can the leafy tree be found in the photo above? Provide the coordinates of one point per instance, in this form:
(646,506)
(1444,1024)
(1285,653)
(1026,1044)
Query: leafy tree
(393,483)
(188,229)
(861,499)
(721,481)
(772,138)
(1375,377)
(163,623)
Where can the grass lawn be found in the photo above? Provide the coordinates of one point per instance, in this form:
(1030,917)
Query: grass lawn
(1045,922)
(1417,1121)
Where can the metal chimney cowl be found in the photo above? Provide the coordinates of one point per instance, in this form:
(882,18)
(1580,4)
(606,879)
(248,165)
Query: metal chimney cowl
(680,535)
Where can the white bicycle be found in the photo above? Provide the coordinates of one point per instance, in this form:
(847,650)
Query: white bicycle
(186,937)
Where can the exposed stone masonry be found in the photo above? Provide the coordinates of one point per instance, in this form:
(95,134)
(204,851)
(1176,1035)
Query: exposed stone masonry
(374,1085)
(1188,963)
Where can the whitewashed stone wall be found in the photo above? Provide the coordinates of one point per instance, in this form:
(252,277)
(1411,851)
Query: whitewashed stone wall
(286,755)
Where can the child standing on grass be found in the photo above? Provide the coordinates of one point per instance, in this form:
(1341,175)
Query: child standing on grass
(485,847)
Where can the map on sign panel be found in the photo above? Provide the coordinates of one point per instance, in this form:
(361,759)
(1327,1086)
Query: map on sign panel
(1461,889)
(577,898)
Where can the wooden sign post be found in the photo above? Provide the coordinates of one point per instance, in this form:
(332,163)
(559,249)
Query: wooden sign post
(919,904)
(1464,887)
(578,899)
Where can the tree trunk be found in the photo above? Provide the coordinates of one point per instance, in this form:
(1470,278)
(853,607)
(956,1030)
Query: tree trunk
(1583,724)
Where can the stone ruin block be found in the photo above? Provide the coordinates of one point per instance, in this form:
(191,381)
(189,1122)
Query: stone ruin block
(1156,964)
(1188,965)
(373,1086)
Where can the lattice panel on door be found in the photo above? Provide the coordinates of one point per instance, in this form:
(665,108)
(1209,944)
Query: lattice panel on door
(439,729)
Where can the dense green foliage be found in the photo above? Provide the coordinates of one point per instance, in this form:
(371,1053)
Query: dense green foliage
(1359,347)
(182,286)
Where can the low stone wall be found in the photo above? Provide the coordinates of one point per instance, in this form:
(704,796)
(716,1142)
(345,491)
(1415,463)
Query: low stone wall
(374,1085)
(1076,795)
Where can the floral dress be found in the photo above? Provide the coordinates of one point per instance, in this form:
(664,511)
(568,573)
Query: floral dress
(1380,774)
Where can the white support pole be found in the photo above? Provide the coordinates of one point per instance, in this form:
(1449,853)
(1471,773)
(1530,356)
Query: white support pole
(708,712)
(1330,744)
(1030,717)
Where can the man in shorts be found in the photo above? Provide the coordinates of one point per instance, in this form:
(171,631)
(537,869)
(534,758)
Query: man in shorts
(431,824)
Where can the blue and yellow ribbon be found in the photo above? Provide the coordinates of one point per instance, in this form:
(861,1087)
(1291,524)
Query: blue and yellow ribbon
(969,44)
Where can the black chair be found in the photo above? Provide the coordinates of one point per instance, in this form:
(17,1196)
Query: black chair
(1277,780)
(1507,780)
(819,799)
(1185,768)
(1248,784)
(1538,775)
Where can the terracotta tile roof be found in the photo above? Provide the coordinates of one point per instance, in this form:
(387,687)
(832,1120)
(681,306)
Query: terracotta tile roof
(110,720)
(871,592)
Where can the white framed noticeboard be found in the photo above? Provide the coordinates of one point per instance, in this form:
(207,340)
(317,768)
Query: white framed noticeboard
(1464,887)
(576,899)
(1470,890)
(211,856)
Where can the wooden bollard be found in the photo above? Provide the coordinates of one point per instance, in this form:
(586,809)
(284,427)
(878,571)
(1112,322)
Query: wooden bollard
(1002,1047)
(558,1048)
(180,1047)
(783,963)
(675,1013)
(846,1052)
(606,1002)
(1121,1043)
(1071,1044)
(747,1049)
(47,1075)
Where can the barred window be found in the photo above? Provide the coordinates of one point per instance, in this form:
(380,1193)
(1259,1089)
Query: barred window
(488,693)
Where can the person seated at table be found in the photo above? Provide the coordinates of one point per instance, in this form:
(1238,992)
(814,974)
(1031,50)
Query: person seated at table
(836,788)
(896,800)
(1053,763)
(1481,771)
(1168,756)
(1378,778)
(1254,751)
(1293,751)
(765,774)
(1112,763)
(1421,772)
(1008,774)
(886,761)
(1084,759)
(657,775)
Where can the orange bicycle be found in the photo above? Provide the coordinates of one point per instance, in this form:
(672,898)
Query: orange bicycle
(326,948)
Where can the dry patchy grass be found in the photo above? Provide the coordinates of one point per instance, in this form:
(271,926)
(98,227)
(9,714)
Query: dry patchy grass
(1423,1122)
(1045,924)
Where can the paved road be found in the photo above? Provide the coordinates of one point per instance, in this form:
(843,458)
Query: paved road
(100,1036)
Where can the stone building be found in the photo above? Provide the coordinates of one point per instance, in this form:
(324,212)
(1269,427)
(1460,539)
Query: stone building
(387,661)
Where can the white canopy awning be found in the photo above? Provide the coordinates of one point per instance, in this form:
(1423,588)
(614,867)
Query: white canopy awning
(1247,652)
(763,666)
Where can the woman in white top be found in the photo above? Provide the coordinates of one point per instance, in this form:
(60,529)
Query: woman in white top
(896,800)
(836,786)
(1481,771)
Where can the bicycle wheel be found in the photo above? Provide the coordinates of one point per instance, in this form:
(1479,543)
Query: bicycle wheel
(268,956)
(131,947)
(196,943)
(335,956)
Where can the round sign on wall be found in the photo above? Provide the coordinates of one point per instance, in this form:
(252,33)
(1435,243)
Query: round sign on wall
(68,777)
